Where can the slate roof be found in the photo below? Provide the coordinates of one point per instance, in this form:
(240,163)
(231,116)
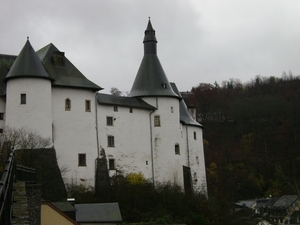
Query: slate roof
(40,64)
(67,75)
(106,99)
(285,201)
(27,64)
(64,206)
(151,80)
(98,212)
(185,116)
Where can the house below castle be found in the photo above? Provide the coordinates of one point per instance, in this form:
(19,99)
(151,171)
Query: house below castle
(151,131)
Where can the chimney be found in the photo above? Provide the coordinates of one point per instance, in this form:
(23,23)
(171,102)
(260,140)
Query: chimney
(59,59)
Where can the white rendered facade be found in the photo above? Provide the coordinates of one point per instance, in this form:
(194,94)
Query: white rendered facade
(146,132)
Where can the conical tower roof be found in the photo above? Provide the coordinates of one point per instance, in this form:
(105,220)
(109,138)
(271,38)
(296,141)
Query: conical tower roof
(151,79)
(27,64)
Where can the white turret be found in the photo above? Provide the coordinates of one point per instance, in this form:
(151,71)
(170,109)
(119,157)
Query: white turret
(28,94)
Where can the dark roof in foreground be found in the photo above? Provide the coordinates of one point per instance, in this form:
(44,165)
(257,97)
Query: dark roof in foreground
(64,206)
(98,212)
(185,116)
(106,99)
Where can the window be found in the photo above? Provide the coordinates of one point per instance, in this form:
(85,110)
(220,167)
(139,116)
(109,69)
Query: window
(110,141)
(177,149)
(1,116)
(1,130)
(23,99)
(130,110)
(197,160)
(109,121)
(156,121)
(81,159)
(87,105)
(172,110)
(195,177)
(116,108)
(67,104)
(111,164)
(195,135)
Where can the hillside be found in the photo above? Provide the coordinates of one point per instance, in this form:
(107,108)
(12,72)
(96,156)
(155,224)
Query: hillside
(252,136)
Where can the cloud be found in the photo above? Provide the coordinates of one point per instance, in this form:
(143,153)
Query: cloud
(198,40)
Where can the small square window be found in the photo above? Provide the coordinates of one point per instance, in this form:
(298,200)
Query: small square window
(109,121)
(157,121)
(110,141)
(81,159)
(1,116)
(111,164)
(67,104)
(195,135)
(177,149)
(130,110)
(87,105)
(1,130)
(23,99)
(116,108)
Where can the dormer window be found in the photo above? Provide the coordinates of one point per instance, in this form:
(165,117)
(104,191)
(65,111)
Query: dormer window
(164,85)
(59,58)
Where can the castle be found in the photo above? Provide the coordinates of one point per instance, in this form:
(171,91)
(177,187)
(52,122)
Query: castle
(150,131)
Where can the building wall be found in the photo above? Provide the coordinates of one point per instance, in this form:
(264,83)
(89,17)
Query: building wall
(139,145)
(49,216)
(38,107)
(74,133)
(131,132)
(194,155)
(167,164)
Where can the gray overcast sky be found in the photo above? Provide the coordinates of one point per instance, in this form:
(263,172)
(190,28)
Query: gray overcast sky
(199,41)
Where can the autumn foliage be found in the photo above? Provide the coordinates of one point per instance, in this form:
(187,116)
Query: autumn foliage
(252,135)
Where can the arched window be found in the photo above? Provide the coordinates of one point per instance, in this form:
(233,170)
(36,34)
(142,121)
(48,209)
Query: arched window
(195,177)
(177,149)
(67,104)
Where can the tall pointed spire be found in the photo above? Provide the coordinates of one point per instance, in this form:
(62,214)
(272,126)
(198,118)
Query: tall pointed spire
(27,64)
(149,40)
(151,79)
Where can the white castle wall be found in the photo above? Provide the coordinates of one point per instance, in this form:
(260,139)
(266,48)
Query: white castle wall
(131,131)
(73,133)
(194,155)
(167,165)
(36,114)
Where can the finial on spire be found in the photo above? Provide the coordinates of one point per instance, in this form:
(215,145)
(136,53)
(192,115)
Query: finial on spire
(27,38)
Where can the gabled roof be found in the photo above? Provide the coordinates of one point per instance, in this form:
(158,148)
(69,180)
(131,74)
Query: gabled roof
(185,116)
(98,212)
(27,64)
(67,75)
(106,99)
(59,212)
(151,80)
(285,201)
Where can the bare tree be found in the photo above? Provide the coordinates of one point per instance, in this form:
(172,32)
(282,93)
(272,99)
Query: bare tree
(21,139)
(115,91)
